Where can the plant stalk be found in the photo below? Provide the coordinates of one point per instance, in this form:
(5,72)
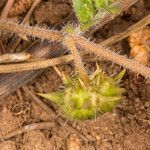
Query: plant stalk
(77,59)
(113,57)
(21,29)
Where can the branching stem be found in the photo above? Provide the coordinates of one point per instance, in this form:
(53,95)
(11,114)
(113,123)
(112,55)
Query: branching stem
(113,57)
(77,59)
(80,41)
(41,33)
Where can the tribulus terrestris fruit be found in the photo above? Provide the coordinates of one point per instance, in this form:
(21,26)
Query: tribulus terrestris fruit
(79,101)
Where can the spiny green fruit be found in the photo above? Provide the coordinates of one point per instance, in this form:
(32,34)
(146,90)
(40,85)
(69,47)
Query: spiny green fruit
(79,101)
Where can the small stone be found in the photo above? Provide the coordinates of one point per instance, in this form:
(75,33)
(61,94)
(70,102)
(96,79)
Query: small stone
(146,104)
(38,87)
(73,143)
(140,112)
(142,107)
(98,137)
(137,100)
(130,117)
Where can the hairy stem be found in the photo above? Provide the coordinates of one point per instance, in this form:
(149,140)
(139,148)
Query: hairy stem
(111,56)
(31,127)
(91,47)
(41,33)
(17,39)
(77,59)
(39,64)
(54,35)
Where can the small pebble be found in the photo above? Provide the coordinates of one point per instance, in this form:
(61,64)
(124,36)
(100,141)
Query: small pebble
(73,143)
(142,107)
(146,104)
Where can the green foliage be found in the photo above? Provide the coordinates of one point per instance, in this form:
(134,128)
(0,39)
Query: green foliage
(79,101)
(106,5)
(89,11)
(84,10)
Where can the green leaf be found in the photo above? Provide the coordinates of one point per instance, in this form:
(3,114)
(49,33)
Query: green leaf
(84,10)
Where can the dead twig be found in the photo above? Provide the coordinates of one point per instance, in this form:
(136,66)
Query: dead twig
(120,36)
(38,64)
(91,47)
(28,15)
(2,47)
(19,94)
(31,127)
(14,57)
(6,9)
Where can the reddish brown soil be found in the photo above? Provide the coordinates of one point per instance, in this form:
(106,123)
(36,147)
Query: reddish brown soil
(126,128)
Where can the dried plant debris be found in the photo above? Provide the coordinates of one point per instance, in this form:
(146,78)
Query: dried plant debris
(140,46)
(20,6)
